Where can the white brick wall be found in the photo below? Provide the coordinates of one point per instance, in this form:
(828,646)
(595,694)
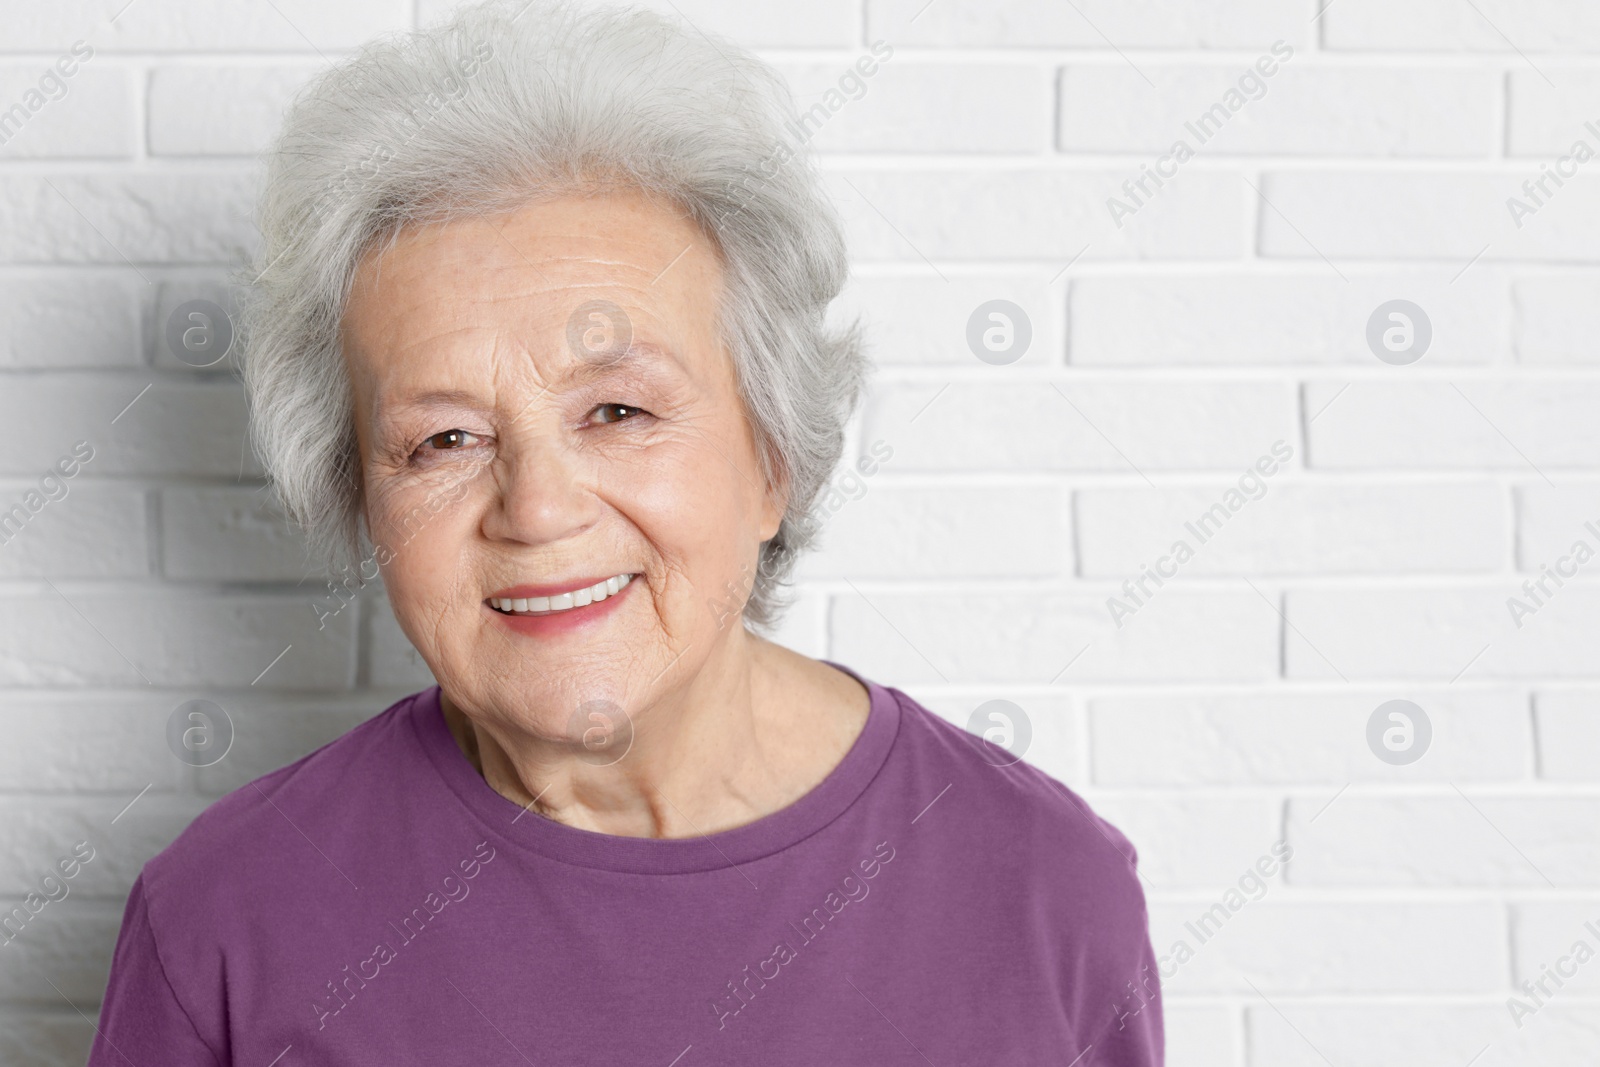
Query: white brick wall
(1227,313)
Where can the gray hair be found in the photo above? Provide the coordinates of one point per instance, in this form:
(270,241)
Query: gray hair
(506,102)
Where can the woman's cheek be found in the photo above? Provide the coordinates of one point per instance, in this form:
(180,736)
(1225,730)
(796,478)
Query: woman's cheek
(423,534)
(403,506)
(697,513)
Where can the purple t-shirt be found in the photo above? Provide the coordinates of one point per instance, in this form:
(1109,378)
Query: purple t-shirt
(378,903)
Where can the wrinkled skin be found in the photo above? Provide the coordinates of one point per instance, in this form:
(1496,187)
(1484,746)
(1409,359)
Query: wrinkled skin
(495,452)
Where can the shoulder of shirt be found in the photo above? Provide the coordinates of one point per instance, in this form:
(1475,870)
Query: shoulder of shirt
(1019,801)
(238,832)
(1067,874)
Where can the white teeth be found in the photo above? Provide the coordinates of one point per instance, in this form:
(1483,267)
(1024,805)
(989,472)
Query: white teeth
(563,601)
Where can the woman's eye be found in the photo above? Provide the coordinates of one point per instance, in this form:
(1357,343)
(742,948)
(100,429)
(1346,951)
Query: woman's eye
(624,412)
(448,439)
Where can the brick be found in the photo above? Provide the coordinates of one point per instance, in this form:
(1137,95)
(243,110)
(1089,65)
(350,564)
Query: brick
(923,320)
(1544,931)
(44,1038)
(1483,26)
(82,320)
(1438,634)
(1545,119)
(910,106)
(900,531)
(40,832)
(94,531)
(1031,636)
(1194,842)
(69,943)
(1107,106)
(174,639)
(1120,427)
(1569,735)
(1451,215)
(1096,24)
(233,534)
(1384,1035)
(1199,1036)
(1521,425)
(87,115)
(118,219)
(1288,527)
(1284,946)
(1564,1034)
(115,745)
(1459,839)
(1284,319)
(1045,215)
(1185,741)
(188,25)
(220,111)
(175,428)
(1556,320)
(1551,520)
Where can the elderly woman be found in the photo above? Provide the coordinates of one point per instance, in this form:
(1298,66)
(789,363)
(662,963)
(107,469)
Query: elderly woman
(539,322)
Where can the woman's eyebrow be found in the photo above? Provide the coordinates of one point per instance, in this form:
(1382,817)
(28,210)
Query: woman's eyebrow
(641,356)
(386,406)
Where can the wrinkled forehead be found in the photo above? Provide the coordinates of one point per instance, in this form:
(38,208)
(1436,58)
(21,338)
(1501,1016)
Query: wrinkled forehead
(567,289)
(440,385)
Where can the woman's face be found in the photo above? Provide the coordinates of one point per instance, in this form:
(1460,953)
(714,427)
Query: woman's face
(519,436)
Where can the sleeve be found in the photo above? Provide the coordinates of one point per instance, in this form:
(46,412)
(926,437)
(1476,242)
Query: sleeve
(1118,1006)
(1135,1035)
(141,1020)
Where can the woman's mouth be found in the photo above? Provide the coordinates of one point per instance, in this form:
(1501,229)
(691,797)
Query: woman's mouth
(556,603)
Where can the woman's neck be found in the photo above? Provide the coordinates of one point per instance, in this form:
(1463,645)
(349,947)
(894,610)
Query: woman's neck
(756,727)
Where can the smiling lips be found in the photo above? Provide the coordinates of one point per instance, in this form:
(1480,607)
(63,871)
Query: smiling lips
(552,603)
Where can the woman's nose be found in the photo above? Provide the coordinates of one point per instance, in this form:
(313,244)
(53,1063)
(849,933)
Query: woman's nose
(543,492)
